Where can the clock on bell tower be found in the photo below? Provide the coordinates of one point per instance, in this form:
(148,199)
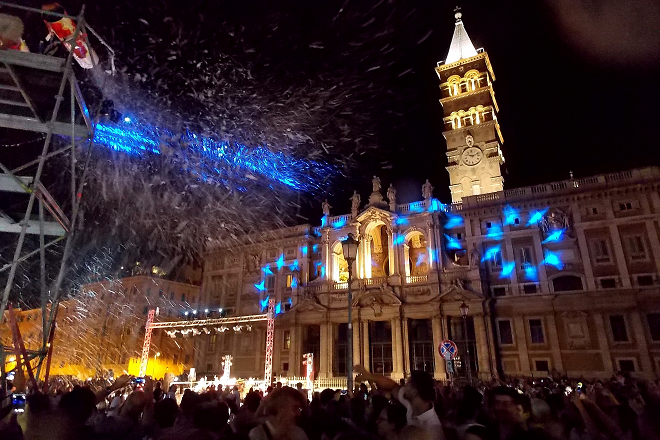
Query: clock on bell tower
(470,118)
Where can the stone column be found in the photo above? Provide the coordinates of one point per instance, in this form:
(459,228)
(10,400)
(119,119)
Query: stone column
(511,256)
(538,251)
(620,257)
(365,345)
(440,371)
(586,259)
(433,255)
(397,349)
(357,343)
(406,347)
(395,267)
(483,363)
(640,339)
(553,339)
(521,341)
(603,343)
(325,255)
(323,352)
(294,351)
(655,244)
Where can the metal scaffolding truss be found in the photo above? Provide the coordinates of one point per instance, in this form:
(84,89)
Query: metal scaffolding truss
(211,322)
(40,94)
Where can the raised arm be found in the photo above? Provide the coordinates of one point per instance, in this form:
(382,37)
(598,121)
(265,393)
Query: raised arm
(382,382)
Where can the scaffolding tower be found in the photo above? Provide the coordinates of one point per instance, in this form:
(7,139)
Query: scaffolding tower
(40,94)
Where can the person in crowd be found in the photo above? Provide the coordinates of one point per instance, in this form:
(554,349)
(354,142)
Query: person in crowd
(283,409)
(417,395)
(391,421)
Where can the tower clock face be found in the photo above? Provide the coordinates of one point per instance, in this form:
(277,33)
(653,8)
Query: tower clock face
(472,156)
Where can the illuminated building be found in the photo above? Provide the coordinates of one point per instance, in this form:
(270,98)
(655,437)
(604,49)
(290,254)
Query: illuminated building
(470,118)
(103,328)
(561,277)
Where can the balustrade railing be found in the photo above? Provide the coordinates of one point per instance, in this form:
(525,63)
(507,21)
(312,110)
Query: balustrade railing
(412,279)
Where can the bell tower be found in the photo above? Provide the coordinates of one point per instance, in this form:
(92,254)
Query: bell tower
(470,118)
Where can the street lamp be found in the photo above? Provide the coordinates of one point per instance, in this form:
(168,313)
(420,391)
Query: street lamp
(350,247)
(464,313)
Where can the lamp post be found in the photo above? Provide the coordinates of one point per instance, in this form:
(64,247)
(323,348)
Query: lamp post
(349,248)
(464,313)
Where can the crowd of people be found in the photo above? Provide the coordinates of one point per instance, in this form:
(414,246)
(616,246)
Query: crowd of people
(379,408)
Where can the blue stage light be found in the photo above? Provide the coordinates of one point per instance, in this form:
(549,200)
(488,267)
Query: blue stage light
(211,159)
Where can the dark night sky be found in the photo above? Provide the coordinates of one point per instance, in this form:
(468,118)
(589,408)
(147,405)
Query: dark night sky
(575,79)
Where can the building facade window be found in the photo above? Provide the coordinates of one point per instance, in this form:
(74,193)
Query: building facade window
(536,331)
(525,258)
(626,365)
(541,365)
(496,261)
(286,343)
(270,284)
(654,325)
(601,251)
(567,283)
(636,247)
(618,327)
(421,345)
(380,342)
(212,341)
(341,350)
(505,332)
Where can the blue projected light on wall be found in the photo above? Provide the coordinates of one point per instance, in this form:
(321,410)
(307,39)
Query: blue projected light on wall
(264,303)
(531,273)
(552,259)
(293,266)
(490,252)
(510,215)
(495,232)
(339,223)
(436,205)
(324,221)
(211,159)
(294,283)
(452,243)
(261,286)
(280,262)
(453,221)
(507,269)
(536,216)
(555,236)
(315,248)
(402,221)
(266,270)
(322,271)
(303,250)
(400,239)
(278,308)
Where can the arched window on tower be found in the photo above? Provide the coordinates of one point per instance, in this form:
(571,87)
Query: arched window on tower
(339,264)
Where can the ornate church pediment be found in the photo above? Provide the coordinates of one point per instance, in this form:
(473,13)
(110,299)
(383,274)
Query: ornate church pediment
(383,295)
(455,289)
(309,304)
(372,213)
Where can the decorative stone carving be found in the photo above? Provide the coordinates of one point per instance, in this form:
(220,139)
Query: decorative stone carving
(355,203)
(576,329)
(376,198)
(391,197)
(251,264)
(469,140)
(427,191)
(556,220)
(375,182)
(475,257)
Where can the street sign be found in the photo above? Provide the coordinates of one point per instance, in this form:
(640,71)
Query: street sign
(448,349)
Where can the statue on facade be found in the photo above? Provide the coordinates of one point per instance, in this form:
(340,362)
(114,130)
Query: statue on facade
(376,184)
(474,257)
(427,190)
(355,203)
(326,207)
(391,196)
(556,220)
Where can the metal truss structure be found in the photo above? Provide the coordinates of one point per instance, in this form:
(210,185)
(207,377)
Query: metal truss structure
(208,323)
(40,94)
(146,346)
(268,370)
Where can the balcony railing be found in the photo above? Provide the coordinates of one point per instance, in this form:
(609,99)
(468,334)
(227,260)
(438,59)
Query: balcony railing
(412,279)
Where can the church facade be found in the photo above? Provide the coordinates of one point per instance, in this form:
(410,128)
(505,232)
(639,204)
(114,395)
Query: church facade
(559,277)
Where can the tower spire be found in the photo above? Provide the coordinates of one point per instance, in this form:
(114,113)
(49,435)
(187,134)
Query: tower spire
(461,45)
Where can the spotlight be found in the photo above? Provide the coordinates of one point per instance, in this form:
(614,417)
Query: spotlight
(127,119)
(206,310)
